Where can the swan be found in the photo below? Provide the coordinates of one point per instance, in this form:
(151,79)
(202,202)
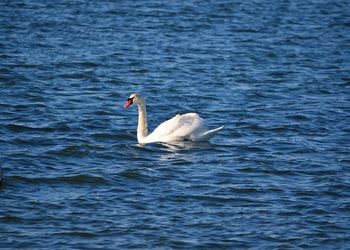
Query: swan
(179,128)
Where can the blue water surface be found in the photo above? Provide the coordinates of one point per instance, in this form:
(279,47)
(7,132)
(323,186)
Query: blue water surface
(274,73)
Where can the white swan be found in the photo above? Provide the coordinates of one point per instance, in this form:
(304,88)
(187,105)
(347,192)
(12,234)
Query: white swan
(179,128)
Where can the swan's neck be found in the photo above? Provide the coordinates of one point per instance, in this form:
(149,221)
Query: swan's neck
(142,130)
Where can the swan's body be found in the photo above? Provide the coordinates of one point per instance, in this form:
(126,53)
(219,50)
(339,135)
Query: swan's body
(179,128)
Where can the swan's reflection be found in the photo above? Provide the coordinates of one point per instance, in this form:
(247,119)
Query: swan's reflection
(174,146)
(179,151)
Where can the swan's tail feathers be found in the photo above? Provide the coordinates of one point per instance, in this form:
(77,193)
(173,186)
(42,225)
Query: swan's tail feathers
(209,134)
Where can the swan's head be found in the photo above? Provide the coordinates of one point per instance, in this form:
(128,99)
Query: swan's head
(134,98)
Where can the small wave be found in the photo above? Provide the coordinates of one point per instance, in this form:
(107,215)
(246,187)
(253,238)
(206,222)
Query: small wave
(71,151)
(244,190)
(88,64)
(81,234)
(139,71)
(254,149)
(109,136)
(180,162)
(74,179)
(79,76)
(213,198)
(0,176)
(9,218)
(23,128)
(131,174)
(298,117)
(252,190)
(266,171)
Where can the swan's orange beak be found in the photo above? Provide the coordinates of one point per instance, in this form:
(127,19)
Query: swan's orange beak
(128,103)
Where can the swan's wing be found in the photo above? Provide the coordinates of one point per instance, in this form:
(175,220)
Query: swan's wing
(190,126)
(179,127)
(166,127)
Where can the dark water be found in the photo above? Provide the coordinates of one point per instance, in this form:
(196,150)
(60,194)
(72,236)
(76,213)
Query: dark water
(275,74)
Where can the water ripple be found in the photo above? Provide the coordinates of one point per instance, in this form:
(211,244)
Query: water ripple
(275,74)
(69,180)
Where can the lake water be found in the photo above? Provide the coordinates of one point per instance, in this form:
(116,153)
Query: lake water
(276,74)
